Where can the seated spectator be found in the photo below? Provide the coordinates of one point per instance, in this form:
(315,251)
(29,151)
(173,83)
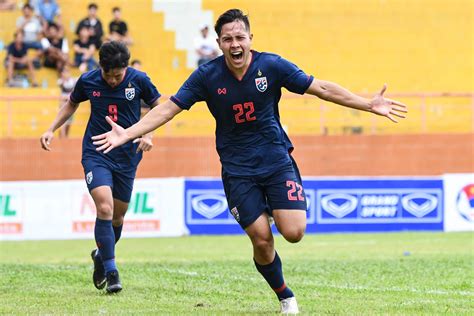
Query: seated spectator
(118,30)
(7,5)
(17,59)
(84,49)
(93,24)
(66,83)
(55,48)
(48,11)
(31,27)
(206,46)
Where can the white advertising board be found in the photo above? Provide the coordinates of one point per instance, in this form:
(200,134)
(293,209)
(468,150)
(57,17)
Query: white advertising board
(459,202)
(64,210)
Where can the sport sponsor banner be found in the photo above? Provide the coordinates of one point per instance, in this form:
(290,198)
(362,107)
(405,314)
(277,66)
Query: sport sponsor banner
(334,205)
(206,210)
(65,210)
(376,204)
(11,210)
(459,202)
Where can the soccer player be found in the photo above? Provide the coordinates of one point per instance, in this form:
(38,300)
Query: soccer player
(114,90)
(242,89)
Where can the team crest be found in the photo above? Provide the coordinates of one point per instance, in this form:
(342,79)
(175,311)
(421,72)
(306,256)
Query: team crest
(235,213)
(89,177)
(130,92)
(261,84)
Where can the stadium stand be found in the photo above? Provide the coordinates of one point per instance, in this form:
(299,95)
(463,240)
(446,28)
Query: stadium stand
(421,49)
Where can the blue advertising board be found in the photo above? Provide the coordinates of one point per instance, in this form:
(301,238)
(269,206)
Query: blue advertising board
(334,205)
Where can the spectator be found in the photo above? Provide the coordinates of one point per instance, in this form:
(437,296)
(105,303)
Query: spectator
(206,46)
(66,83)
(84,49)
(93,24)
(55,48)
(118,30)
(31,27)
(17,59)
(47,10)
(7,5)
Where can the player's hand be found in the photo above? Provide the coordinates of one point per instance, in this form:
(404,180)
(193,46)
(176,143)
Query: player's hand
(386,107)
(112,139)
(144,143)
(46,139)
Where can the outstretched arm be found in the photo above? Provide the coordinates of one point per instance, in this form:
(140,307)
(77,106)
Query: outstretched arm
(64,114)
(158,116)
(379,105)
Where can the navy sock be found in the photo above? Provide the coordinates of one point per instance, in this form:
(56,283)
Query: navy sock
(117,232)
(273,274)
(104,237)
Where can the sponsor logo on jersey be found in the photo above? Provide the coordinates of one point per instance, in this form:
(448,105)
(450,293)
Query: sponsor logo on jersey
(261,84)
(130,93)
(235,213)
(96,94)
(221,91)
(89,177)
(419,204)
(465,203)
(209,205)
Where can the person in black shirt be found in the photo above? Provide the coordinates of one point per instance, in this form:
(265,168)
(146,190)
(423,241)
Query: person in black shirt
(17,59)
(55,48)
(93,24)
(84,49)
(118,30)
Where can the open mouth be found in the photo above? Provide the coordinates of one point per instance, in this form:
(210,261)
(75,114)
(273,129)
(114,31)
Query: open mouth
(237,56)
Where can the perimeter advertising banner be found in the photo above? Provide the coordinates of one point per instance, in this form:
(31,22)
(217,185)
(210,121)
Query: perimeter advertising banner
(334,205)
(65,210)
(459,202)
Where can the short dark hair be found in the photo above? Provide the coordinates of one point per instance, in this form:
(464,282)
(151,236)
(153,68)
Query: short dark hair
(27,6)
(53,25)
(231,16)
(92,6)
(113,55)
(115,9)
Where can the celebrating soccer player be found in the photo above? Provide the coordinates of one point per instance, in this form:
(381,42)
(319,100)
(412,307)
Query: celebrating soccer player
(115,91)
(242,89)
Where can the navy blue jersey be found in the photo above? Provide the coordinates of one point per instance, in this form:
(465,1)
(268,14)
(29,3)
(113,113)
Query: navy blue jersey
(121,103)
(249,137)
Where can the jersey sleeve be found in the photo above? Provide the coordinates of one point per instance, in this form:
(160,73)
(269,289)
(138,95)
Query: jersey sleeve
(193,90)
(78,94)
(293,78)
(149,92)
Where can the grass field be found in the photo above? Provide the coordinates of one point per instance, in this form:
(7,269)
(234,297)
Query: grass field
(405,273)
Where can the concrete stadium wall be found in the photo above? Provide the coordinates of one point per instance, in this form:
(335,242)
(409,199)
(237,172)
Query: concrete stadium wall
(417,155)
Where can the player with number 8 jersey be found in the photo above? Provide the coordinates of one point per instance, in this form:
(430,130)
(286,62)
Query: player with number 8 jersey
(114,91)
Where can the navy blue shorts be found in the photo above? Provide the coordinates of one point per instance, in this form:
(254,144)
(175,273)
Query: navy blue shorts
(249,197)
(99,173)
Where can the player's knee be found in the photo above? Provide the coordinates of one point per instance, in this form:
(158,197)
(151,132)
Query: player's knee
(263,245)
(117,220)
(104,210)
(293,235)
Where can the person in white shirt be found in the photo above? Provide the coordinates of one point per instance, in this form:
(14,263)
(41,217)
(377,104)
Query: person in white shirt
(206,46)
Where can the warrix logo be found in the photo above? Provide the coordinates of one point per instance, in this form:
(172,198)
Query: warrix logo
(339,204)
(419,204)
(209,205)
(5,208)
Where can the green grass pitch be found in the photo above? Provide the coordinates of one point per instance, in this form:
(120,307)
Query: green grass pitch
(340,274)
